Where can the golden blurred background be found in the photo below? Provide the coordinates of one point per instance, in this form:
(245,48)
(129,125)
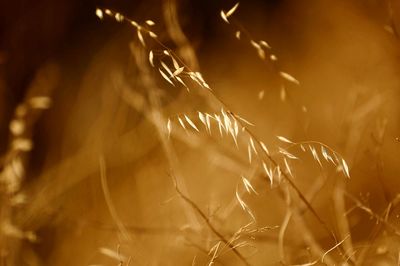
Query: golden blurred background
(104,162)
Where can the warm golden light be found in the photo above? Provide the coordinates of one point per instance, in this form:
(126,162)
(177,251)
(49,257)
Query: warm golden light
(200,133)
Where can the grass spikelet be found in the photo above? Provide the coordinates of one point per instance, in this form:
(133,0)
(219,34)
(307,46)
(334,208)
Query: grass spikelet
(22,144)
(166,77)
(214,252)
(151,58)
(134,24)
(236,129)
(289,77)
(244,120)
(241,244)
(202,118)
(223,16)
(140,36)
(283,93)
(234,136)
(324,153)
(169,127)
(205,85)
(237,35)
(315,155)
(220,125)
(178,71)
(152,35)
(265,44)
(181,123)
(181,82)
(40,102)
(288,167)
(345,168)
(112,254)
(99,13)
(232,10)
(17,166)
(150,22)
(208,122)
(244,205)
(287,154)
(283,139)
(17,127)
(252,145)
(261,53)
(255,45)
(175,63)
(278,172)
(167,69)
(248,185)
(227,122)
(194,77)
(264,147)
(269,173)
(200,80)
(261,94)
(249,152)
(119,17)
(190,122)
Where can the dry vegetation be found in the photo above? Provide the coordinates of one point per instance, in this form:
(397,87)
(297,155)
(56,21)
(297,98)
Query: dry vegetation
(194,133)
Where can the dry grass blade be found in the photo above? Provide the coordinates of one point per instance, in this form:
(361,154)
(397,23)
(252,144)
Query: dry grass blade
(333,248)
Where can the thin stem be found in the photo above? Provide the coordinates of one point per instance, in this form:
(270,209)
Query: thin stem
(212,228)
